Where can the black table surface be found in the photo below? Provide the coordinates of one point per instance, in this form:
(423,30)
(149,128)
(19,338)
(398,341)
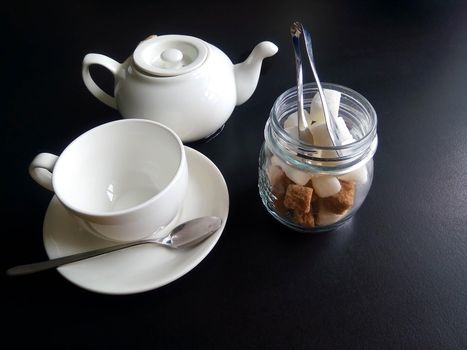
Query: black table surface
(394,277)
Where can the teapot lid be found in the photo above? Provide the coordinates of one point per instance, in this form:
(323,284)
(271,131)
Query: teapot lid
(170,55)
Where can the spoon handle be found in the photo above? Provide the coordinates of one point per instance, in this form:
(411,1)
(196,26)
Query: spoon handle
(186,234)
(48,264)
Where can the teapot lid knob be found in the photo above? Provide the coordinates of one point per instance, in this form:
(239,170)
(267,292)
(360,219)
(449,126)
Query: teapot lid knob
(170,55)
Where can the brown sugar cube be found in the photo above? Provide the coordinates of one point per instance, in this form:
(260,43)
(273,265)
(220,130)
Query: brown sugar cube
(342,200)
(279,181)
(314,199)
(324,217)
(285,182)
(298,198)
(315,202)
(275,178)
(303,219)
(280,207)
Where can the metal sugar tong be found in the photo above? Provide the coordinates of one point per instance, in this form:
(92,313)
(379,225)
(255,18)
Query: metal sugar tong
(304,133)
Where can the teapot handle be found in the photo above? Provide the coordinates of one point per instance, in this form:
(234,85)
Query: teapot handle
(112,65)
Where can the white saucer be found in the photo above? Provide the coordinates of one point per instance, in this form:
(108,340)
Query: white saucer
(145,267)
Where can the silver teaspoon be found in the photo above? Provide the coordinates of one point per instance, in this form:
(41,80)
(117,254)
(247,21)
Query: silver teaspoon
(184,235)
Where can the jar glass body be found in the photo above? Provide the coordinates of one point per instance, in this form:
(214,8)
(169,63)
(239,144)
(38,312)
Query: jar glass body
(317,188)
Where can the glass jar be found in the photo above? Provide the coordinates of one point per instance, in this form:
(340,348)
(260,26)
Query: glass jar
(314,188)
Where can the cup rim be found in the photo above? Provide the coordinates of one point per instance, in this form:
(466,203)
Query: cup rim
(134,208)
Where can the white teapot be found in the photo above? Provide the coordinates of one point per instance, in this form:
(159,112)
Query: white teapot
(180,81)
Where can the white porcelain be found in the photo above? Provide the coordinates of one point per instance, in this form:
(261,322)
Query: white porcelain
(180,81)
(145,267)
(121,180)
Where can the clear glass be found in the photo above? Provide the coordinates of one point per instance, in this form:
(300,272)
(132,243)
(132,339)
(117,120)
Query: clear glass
(317,188)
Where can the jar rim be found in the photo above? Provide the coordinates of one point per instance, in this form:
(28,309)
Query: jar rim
(333,159)
(357,97)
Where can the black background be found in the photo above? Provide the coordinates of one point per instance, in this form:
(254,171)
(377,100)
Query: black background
(395,277)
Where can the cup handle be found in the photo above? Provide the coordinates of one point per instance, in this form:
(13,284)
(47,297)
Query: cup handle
(41,169)
(106,62)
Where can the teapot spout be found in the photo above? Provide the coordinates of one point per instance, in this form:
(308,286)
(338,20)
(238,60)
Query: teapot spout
(247,72)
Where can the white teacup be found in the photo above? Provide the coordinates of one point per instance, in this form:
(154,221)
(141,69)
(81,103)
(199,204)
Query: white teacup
(123,180)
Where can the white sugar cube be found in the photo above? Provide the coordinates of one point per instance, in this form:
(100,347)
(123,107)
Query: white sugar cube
(333,99)
(292,120)
(320,134)
(274,173)
(321,138)
(275,179)
(293,132)
(359,175)
(316,119)
(297,176)
(316,114)
(344,132)
(326,186)
(327,218)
